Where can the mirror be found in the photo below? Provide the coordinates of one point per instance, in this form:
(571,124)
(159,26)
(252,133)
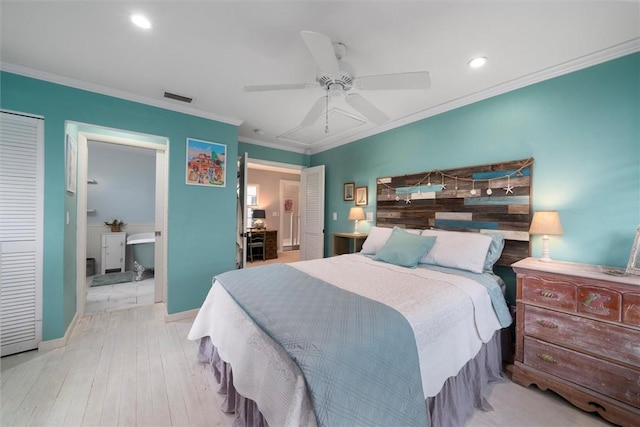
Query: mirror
(633,266)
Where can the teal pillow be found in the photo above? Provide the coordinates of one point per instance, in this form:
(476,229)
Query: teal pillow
(405,249)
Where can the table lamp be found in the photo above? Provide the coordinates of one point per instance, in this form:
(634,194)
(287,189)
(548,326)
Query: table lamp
(356,214)
(546,223)
(258,217)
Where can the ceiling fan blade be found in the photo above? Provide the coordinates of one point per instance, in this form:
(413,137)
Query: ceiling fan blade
(321,49)
(414,80)
(263,88)
(315,112)
(366,108)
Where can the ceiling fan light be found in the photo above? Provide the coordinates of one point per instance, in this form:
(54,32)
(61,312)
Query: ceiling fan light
(335,89)
(477,62)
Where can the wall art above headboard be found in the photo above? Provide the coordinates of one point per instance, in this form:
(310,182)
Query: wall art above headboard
(487,198)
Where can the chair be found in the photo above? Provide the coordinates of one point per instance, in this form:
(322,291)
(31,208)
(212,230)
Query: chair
(255,244)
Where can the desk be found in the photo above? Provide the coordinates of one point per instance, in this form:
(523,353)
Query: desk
(348,243)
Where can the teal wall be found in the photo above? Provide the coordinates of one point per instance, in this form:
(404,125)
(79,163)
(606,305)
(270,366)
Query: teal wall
(273,155)
(582,129)
(201,222)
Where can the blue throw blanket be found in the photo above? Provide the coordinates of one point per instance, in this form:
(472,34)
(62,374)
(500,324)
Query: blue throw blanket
(358,356)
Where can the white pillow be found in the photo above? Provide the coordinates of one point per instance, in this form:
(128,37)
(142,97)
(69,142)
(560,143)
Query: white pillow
(455,249)
(376,239)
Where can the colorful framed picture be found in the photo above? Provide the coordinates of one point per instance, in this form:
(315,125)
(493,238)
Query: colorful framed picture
(348,191)
(361,196)
(206,163)
(71,153)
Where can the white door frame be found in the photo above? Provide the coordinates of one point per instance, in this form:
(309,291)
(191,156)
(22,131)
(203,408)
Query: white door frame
(162,166)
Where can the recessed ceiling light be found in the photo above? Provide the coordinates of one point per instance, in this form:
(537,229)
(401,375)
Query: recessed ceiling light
(141,21)
(478,62)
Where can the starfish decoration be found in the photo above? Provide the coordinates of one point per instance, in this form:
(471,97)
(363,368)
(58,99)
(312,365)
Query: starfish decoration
(508,189)
(444,186)
(407,200)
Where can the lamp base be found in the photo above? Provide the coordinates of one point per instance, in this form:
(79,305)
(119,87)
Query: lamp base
(545,249)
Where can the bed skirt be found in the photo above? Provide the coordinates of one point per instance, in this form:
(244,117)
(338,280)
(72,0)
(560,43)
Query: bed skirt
(452,406)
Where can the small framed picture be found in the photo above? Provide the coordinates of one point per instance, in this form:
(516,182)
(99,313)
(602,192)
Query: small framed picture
(348,191)
(361,196)
(633,266)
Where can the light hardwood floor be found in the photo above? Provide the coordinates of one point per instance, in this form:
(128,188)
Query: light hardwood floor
(131,368)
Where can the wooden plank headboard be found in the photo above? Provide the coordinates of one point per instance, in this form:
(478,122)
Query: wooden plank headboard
(494,197)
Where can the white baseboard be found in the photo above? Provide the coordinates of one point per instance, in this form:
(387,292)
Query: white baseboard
(60,342)
(183,315)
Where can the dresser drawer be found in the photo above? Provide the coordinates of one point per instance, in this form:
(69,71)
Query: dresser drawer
(607,378)
(592,336)
(549,291)
(600,302)
(631,308)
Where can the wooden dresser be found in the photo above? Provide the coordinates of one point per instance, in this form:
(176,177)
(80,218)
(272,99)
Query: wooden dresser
(578,334)
(271,245)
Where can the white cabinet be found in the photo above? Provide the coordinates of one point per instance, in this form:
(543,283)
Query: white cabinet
(113,247)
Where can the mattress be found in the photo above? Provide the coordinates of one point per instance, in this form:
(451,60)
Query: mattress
(451,316)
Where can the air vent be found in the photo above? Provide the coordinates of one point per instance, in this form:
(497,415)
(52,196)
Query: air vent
(177,97)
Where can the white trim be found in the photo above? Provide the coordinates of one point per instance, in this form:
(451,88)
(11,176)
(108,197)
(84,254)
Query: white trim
(81,234)
(60,342)
(18,113)
(269,165)
(92,87)
(183,315)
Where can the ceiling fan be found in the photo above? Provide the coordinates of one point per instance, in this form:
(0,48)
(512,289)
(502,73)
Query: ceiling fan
(336,78)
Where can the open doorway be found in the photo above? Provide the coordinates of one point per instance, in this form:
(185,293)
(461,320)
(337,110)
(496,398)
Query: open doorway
(265,178)
(120,257)
(91,217)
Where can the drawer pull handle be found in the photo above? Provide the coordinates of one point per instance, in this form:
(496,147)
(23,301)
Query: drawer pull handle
(548,294)
(547,324)
(547,358)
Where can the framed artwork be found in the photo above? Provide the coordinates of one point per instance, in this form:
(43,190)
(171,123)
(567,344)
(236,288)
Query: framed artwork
(348,191)
(71,157)
(206,163)
(633,266)
(361,196)
(288,205)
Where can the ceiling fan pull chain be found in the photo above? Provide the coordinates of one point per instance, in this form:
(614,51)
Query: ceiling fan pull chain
(326,115)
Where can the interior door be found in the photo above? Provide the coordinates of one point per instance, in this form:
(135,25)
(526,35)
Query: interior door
(21,225)
(241,220)
(312,213)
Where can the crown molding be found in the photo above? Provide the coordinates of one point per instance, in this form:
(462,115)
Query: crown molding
(104,90)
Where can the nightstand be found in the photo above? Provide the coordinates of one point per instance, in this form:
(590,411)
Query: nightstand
(578,334)
(348,243)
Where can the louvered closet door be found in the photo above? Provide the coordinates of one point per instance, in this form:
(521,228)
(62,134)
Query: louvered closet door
(21,207)
(312,213)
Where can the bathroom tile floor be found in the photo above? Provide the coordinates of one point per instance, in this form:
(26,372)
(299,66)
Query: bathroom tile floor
(102,299)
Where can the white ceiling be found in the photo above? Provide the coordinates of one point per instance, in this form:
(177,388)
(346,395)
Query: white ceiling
(209,49)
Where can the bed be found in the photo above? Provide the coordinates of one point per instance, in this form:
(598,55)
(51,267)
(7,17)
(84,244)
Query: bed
(437,282)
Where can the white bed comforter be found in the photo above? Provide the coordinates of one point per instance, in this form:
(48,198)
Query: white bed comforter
(451,317)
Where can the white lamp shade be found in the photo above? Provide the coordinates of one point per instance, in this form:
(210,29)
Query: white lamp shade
(546,223)
(356,214)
